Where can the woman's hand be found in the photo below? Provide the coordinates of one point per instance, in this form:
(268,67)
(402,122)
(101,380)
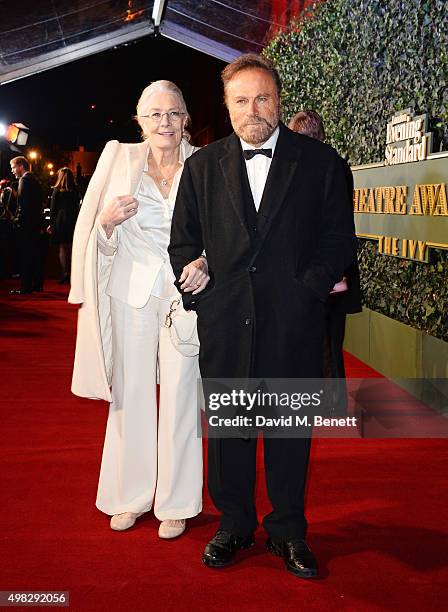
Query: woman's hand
(116,211)
(194,277)
(49,230)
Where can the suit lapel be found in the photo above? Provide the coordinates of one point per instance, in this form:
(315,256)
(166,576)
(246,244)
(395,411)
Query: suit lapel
(136,159)
(283,167)
(235,178)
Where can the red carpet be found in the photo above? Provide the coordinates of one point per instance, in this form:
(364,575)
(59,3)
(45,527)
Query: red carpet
(377,508)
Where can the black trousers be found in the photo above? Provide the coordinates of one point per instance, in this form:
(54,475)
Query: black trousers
(232,467)
(5,246)
(334,360)
(335,332)
(231,483)
(31,261)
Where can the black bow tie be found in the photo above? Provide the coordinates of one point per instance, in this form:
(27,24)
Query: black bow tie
(250,153)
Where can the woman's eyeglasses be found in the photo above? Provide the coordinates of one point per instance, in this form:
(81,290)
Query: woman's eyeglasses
(156,117)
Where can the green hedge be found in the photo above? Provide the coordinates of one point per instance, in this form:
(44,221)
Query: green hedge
(411,292)
(357,62)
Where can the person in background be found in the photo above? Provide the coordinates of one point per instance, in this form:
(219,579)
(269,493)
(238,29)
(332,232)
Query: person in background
(78,173)
(28,221)
(121,276)
(308,122)
(64,211)
(345,297)
(9,211)
(6,227)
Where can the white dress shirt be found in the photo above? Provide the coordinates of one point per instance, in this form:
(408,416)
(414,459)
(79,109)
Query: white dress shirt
(258,166)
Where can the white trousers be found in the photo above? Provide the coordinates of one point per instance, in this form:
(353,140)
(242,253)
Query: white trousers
(149,461)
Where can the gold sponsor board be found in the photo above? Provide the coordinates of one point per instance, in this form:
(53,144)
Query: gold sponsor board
(403,205)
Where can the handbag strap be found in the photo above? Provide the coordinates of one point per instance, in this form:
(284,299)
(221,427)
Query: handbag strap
(169,319)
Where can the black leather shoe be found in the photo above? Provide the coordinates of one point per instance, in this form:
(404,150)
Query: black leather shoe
(298,558)
(220,551)
(19,292)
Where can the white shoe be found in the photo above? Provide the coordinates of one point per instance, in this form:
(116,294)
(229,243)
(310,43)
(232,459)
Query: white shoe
(171,528)
(120,522)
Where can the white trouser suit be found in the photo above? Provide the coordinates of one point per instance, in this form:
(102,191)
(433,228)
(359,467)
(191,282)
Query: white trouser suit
(150,459)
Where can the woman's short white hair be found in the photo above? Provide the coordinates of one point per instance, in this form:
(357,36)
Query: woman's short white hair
(158,87)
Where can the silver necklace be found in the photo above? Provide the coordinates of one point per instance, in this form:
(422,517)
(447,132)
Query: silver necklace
(163,181)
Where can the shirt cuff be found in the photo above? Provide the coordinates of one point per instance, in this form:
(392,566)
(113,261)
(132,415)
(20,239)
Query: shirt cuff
(106,245)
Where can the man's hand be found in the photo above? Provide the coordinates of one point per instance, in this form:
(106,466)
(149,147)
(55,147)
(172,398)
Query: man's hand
(116,211)
(194,277)
(340,287)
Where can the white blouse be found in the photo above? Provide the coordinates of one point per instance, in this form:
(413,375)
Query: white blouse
(154,215)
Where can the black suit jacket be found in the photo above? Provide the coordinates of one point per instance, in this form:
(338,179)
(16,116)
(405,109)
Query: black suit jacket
(29,204)
(348,302)
(264,313)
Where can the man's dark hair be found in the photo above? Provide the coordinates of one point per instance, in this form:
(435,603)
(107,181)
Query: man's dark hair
(308,122)
(21,161)
(250,60)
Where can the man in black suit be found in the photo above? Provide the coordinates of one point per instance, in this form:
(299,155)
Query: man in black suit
(270,209)
(28,221)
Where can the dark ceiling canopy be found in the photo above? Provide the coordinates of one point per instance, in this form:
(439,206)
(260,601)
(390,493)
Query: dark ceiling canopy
(36,35)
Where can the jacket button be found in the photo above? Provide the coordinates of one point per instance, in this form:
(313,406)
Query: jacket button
(253,269)
(247,321)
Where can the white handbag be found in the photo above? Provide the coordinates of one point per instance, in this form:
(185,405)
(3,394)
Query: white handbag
(181,325)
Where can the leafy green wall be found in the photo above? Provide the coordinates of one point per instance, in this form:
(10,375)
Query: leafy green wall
(410,292)
(357,62)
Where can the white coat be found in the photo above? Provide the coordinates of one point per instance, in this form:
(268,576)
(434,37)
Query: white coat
(128,275)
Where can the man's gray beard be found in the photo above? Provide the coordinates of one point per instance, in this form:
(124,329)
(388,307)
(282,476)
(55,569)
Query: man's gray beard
(266,134)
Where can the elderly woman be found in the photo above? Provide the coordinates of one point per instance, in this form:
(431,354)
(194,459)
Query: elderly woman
(123,280)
